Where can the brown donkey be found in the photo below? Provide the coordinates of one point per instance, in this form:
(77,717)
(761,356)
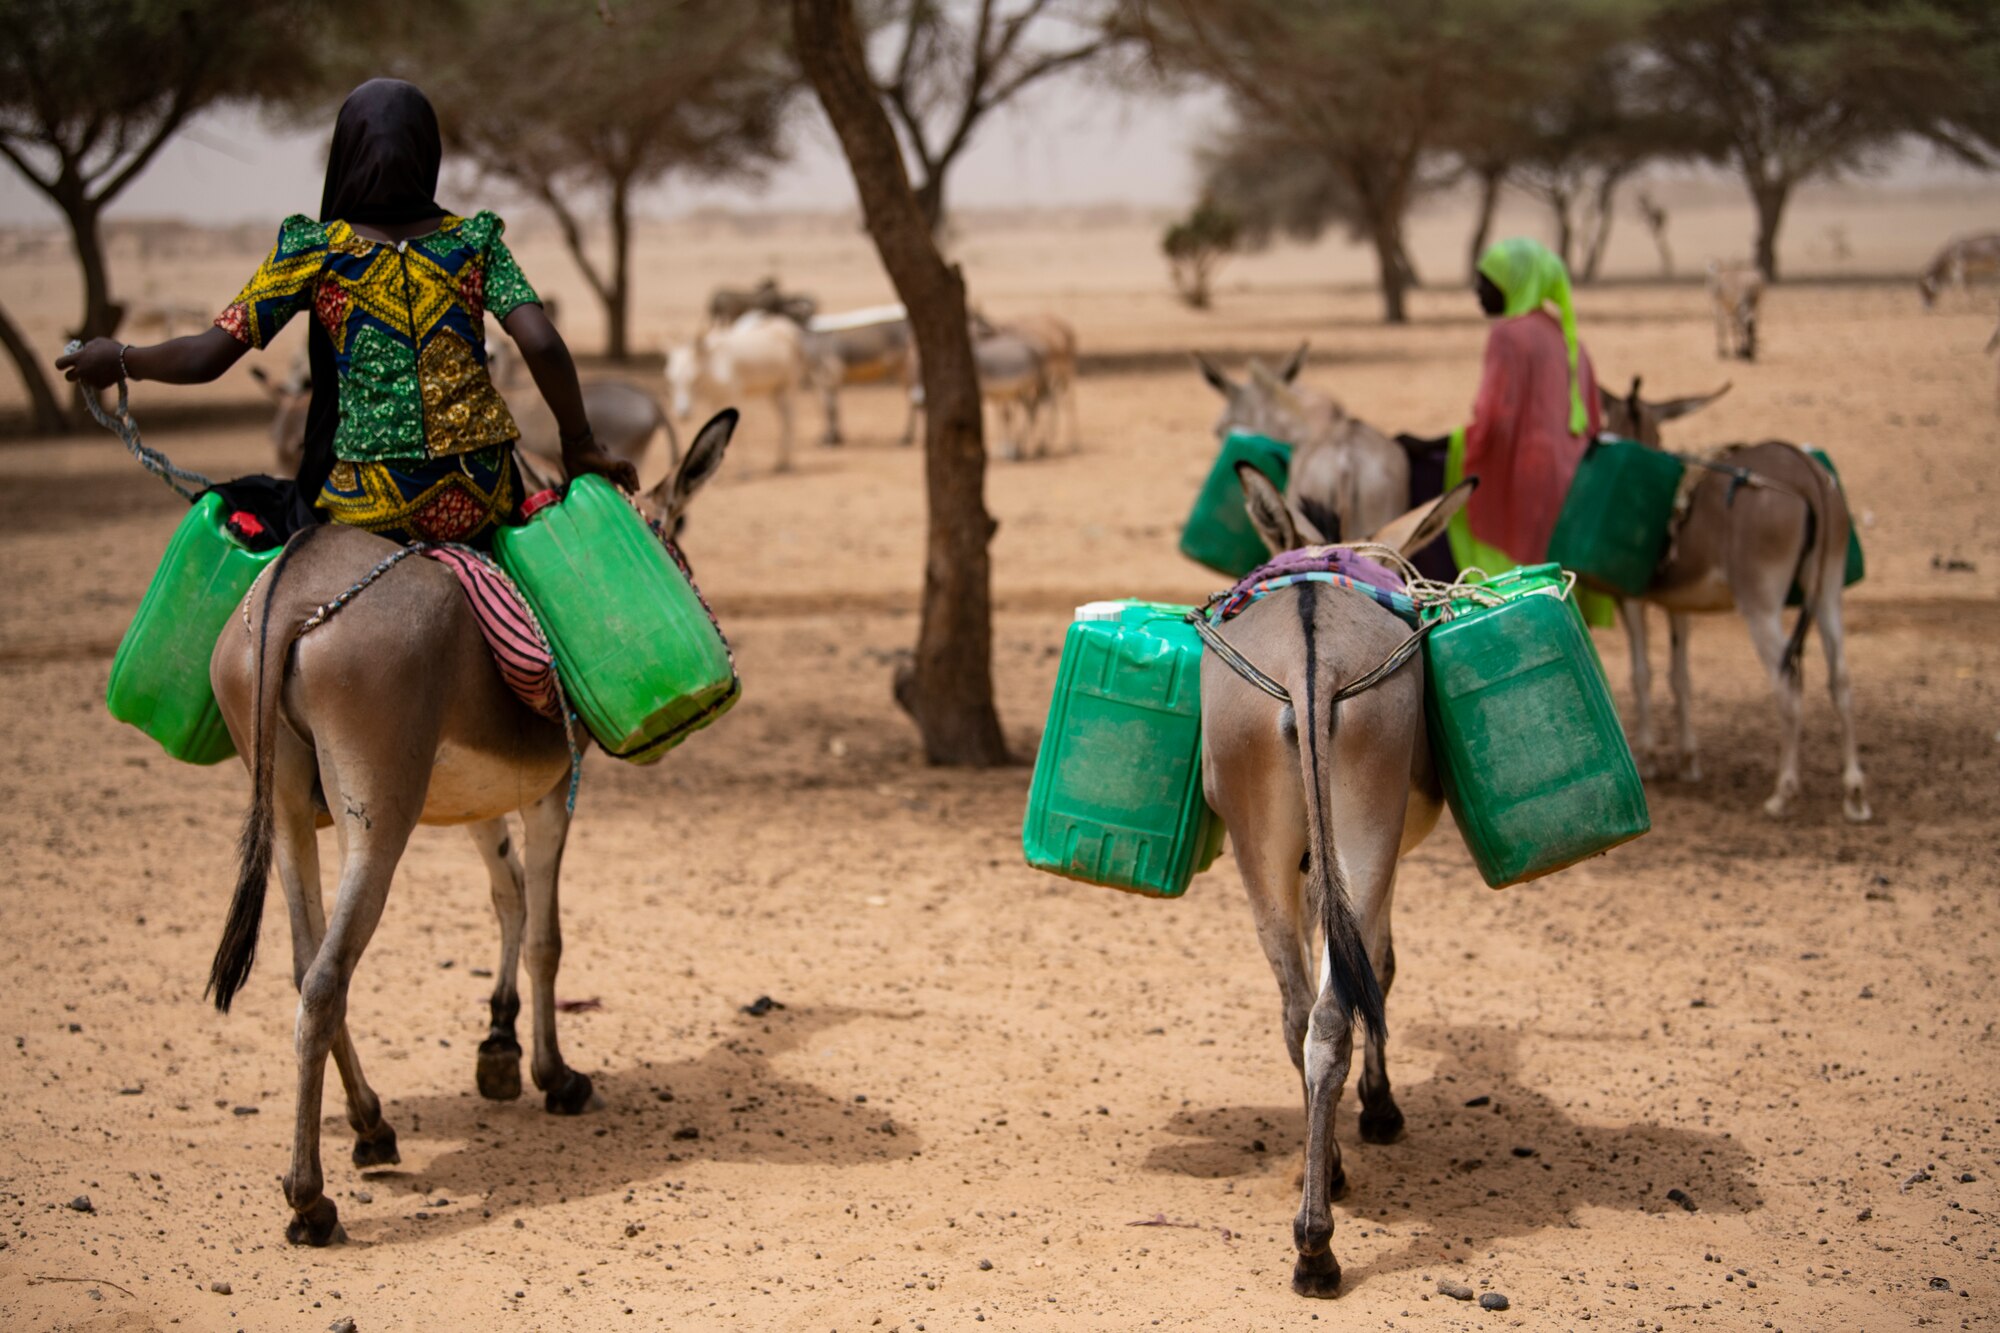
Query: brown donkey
(1322,797)
(386,715)
(1745,546)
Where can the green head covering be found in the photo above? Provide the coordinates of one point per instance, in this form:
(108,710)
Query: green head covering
(1527,274)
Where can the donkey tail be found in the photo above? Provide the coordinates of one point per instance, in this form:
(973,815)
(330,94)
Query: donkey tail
(237,951)
(1810,574)
(1350,974)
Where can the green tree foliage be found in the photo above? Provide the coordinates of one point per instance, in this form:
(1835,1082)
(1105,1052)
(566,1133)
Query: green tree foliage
(1195,245)
(1782,91)
(573,104)
(91,89)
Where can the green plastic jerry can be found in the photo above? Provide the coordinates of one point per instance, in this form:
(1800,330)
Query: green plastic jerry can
(638,656)
(159,677)
(1613,524)
(1534,763)
(1218,532)
(1117,793)
(1857,565)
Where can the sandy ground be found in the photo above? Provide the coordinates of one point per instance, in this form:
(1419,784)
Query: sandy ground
(993,1096)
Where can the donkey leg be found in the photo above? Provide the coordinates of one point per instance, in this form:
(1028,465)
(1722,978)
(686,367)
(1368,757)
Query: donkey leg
(376,833)
(499,1074)
(1767,634)
(782,401)
(1633,612)
(1381,1118)
(565,1091)
(1328,1053)
(1833,638)
(297,855)
(1680,626)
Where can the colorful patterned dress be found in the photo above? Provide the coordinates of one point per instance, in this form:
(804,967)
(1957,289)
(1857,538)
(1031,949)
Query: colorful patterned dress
(424,447)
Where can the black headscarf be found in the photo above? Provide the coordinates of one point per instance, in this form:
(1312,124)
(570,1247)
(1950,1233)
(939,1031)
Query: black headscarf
(382,168)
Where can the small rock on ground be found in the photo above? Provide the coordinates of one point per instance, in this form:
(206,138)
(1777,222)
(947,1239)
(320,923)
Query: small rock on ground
(1493,1300)
(221,1288)
(1458,1291)
(82,1204)
(341,1326)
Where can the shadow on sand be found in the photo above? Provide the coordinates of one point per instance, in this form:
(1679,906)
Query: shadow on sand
(1457,1169)
(727,1106)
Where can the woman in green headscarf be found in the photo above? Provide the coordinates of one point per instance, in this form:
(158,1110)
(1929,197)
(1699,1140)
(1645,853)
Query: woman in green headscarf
(1535,412)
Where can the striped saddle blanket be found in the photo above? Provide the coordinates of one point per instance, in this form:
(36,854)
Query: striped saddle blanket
(519,649)
(1316,564)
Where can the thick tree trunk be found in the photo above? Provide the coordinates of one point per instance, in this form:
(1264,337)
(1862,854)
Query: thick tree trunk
(1770,198)
(948,690)
(1604,202)
(1392,268)
(930,201)
(1490,179)
(47,418)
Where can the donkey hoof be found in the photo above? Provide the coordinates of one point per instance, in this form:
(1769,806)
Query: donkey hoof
(1317,1276)
(376,1149)
(318,1224)
(572,1095)
(1382,1124)
(499,1070)
(1778,806)
(1856,809)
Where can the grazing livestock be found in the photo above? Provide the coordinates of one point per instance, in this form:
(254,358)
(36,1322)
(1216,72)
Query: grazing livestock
(1733,296)
(759,356)
(1957,262)
(856,347)
(1012,381)
(384,716)
(1054,341)
(1322,797)
(726,305)
(1341,465)
(1746,546)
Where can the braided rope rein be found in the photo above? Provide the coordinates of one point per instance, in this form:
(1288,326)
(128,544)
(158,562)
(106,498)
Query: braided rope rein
(122,424)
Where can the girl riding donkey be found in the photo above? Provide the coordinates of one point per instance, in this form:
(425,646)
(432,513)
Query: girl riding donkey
(393,712)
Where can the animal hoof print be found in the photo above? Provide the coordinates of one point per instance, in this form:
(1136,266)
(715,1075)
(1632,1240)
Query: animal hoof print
(1384,1126)
(378,1149)
(572,1095)
(1317,1277)
(500,1074)
(318,1225)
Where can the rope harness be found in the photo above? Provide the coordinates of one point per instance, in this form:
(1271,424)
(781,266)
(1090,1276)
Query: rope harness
(121,424)
(1424,595)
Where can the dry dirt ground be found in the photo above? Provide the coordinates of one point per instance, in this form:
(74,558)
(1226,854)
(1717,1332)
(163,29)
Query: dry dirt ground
(994,1096)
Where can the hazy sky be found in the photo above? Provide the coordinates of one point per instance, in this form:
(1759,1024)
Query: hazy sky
(1072,141)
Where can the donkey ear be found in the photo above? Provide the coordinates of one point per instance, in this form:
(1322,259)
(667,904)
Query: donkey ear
(1680,407)
(1426,523)
(1290,370)
(701,462)
(1318,524)
(1267,510)
(1216,379)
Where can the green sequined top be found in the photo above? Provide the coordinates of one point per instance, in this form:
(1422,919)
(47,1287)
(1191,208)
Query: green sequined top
(408,328)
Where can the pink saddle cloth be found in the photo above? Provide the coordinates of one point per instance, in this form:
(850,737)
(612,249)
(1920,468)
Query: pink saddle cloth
(518,647)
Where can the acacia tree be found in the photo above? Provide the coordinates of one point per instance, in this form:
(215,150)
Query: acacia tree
(90,90)
(948,688)
(1782,91)
(1366,91)
(946,66)
(598,102)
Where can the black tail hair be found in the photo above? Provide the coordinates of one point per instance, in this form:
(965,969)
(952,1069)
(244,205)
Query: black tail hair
(1808,575)
(1354,981)
(237,951)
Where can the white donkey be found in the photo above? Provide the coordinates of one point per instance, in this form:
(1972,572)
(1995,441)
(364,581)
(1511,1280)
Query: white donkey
(761,355)
(1746,544)
(856,347)
(1322,796)
(1341,466)
(1956,262)
(1734,293)
(386,715)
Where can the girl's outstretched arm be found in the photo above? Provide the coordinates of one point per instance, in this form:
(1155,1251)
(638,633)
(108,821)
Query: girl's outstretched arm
(195,359)
(555,375)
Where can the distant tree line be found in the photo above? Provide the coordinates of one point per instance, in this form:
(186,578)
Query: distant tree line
(1346,113)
